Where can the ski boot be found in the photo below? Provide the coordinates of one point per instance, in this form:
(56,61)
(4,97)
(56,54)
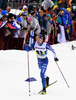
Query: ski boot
(43,91)
(47,81)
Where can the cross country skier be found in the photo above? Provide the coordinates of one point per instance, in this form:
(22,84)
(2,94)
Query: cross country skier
(41,51)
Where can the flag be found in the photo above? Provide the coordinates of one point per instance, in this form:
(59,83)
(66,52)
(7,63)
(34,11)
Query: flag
(47,36)
(2,23)
(31,40)
(13,25)
(61,36)
(21,13)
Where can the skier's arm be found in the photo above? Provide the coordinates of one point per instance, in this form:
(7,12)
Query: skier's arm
(29,48)
(51,49)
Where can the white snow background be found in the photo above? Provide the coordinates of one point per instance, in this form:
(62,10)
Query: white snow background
(14,72)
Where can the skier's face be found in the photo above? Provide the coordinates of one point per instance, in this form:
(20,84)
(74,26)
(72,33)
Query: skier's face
(39,40)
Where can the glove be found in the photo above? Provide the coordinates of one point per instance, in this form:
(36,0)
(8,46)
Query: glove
(56,59)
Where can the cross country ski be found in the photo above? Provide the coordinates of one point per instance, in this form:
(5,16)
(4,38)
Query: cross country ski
(40,92)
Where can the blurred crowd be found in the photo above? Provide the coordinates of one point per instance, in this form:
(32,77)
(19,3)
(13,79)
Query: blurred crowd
(56,24)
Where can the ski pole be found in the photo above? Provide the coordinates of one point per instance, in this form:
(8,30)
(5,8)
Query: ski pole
(62,74)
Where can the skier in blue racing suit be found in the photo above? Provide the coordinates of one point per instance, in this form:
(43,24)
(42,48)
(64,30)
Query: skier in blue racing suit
(41,51)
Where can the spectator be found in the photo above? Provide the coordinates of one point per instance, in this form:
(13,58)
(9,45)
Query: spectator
(38,29)
(33,23)
(24,25)
(17,41)
(25,9)
(2,33)
(67,24)
(40,19)
(4,18)
(60,15)
(17,32)
(42,23)
(8,9)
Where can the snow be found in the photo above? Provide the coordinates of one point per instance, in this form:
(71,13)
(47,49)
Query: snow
(14,72)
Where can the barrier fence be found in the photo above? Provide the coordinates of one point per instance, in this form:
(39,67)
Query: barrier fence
(19,5)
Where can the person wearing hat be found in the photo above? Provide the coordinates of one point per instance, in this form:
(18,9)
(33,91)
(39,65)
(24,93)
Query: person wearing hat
(24,18)
(4,12)
(3,18)
(25,9)
(23,24)
(33,23)
(17,32)
(67,24)
(41,51)
(35,9)
(32,13)
(42,18)
(17,41)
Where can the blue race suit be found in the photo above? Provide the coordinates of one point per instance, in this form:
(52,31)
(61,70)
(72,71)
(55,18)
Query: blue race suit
(41,51)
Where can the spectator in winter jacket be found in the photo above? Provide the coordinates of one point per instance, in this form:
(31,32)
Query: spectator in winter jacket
(25,9)
(70,15)
(38,29)
(66,18)
(24,25)
(17,32)
(6,12)
(43,23)
(17,41)
(40,19)
(60,15)
(24,19)
(4,18)
(33,23)
(67,24)
(2,33)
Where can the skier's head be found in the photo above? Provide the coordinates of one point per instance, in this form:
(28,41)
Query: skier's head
(39,39)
